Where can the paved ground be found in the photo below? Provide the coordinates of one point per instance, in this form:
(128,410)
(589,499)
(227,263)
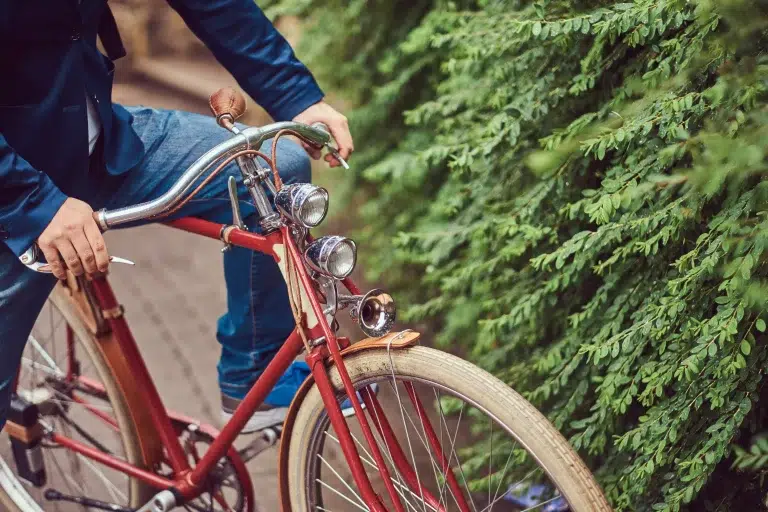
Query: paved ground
(173,297)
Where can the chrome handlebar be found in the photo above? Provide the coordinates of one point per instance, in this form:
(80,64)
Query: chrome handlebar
(245,139)
(248,138)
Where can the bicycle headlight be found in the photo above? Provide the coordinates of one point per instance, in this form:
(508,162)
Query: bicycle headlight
(332,256)
(303,203)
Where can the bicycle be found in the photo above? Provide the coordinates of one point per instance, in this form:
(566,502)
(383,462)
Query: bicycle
(85,401)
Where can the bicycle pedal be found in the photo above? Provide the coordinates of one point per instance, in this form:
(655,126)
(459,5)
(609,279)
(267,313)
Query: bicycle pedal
(54,495)
(264,440)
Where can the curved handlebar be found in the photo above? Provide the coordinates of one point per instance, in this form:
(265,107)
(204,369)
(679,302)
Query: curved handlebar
(248,138)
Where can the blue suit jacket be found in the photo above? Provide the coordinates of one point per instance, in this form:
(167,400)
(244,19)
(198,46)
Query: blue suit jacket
(49,61)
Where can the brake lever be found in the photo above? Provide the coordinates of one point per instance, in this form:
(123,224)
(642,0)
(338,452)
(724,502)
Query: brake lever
(331,148)
(335,153)
(31,259)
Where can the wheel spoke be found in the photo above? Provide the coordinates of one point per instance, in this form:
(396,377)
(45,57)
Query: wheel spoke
(490,460)
(116,494)
(496,496)
(379,431)
(400,487)
(344,496)
(66,400)
(339,477)
(42,367)
(540,504)
(407,437)
(453,444)
(51,366)
(435,465)
(85,434)
(67,478)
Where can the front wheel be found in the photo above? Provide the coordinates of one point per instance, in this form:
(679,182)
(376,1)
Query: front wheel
(502,454)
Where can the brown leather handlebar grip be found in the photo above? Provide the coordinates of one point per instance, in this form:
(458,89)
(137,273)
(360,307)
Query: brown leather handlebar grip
(227,105)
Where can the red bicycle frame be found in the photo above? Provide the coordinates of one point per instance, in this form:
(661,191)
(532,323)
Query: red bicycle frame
(189,482)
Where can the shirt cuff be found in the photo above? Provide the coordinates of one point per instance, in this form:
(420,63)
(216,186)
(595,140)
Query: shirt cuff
(294,104)
(40,208)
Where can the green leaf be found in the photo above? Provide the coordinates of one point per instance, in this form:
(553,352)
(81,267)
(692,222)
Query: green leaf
(746,348)
(536,30)
(760,325)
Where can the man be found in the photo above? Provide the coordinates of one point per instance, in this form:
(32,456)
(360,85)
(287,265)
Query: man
(66,149)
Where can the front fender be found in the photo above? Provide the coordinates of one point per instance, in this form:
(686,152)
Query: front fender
(393,340)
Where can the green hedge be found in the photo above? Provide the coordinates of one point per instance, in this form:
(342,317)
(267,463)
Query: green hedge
(579,189)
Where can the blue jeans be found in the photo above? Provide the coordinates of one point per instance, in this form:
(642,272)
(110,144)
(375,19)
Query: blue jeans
(258,317)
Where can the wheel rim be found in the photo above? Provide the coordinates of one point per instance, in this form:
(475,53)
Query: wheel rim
(506,486)
(71,408)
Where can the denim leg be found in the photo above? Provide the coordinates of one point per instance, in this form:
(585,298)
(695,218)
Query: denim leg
(23,293)
(258,317)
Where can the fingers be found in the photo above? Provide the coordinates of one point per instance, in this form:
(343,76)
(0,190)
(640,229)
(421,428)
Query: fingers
(331,160)
(340,131)
(314,153)
(54,260)
(69,255)
(98,246)
(72,240)
(80,252)
(84,252)
(338,125)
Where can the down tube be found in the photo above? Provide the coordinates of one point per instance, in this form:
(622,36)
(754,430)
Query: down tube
(255,397)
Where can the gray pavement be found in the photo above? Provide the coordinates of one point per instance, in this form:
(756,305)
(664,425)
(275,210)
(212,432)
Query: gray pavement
(173,297)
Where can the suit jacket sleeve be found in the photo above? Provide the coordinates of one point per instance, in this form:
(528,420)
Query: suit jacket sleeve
(244,40)
(28,200)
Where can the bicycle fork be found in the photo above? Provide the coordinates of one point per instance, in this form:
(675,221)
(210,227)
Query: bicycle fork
(316,361)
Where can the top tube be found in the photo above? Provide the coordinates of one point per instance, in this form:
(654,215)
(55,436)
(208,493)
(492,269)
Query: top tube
(249,138)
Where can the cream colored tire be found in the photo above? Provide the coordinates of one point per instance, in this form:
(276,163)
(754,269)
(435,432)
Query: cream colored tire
(521,420)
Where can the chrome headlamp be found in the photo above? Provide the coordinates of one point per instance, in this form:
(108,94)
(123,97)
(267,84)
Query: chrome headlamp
(332,256)
(303,203)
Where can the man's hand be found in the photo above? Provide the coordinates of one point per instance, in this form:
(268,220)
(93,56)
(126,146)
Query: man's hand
(324,113)
(73,240)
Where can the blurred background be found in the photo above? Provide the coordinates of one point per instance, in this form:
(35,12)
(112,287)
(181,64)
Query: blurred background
(167,66)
